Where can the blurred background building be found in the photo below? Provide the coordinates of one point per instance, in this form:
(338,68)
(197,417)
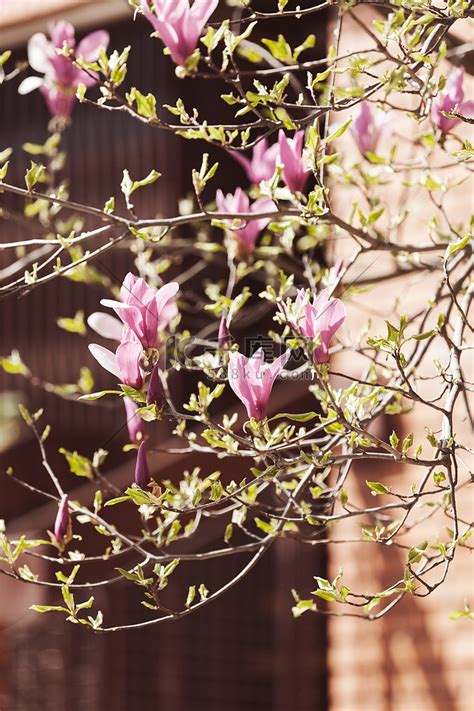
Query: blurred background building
(245,651)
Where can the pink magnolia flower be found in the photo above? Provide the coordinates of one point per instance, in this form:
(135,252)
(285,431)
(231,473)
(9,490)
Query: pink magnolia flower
(60,76)
(135,424)
(321,318)
(294,173)
(143,309)
(113,329)
(239,203)
(124,363)
(368,126)
(63,523)
(252,380)
(263,162)
(142,472)
(451,99)
(179,24)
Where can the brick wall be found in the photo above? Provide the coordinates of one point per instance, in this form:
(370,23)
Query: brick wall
(415,658)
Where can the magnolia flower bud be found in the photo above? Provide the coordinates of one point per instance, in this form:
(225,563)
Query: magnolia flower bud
(224,339)
(142,473)
(294,173)
(155,393)
(63,523)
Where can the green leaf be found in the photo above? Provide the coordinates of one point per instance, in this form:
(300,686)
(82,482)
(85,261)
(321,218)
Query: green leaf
(81,91)
(228,532)
(5,154)
(325,595)
(371,604)
(133,394)
(459,614)
(73,325)
(152,177)
(99,394)
(4,170)
(149,413)
(394,440)
(265,526)
(26,415)
(303,606)
(338,132)
(13,364)
(34,174)
(190,597)
(407,443)
(415,554)
(117,500)
(280,49)
(85,605)
(146,105)
(308,43)
(48,608)
(5,56)
(79,465)
(303,417)
(128,186)
(203,591)
(455,246)
(377,488)
(109,206)
(134,577)
(393,333)
(425,335)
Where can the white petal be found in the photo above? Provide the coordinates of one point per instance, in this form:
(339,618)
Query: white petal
(115,304)
(106,325)
(30,84)
(106,359)
(39,52)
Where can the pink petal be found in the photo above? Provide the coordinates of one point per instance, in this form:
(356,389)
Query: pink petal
(241,201)
(127,287)
(466,109)
(165,302)
(106,359)
(201,10)
(238,381)
(245,163)
(89,47)
(61,32)
(454,84)
(106,325)
(128,357)
(274,370)
(40,51)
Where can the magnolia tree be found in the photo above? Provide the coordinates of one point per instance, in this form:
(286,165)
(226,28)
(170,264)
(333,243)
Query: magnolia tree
(382,123)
